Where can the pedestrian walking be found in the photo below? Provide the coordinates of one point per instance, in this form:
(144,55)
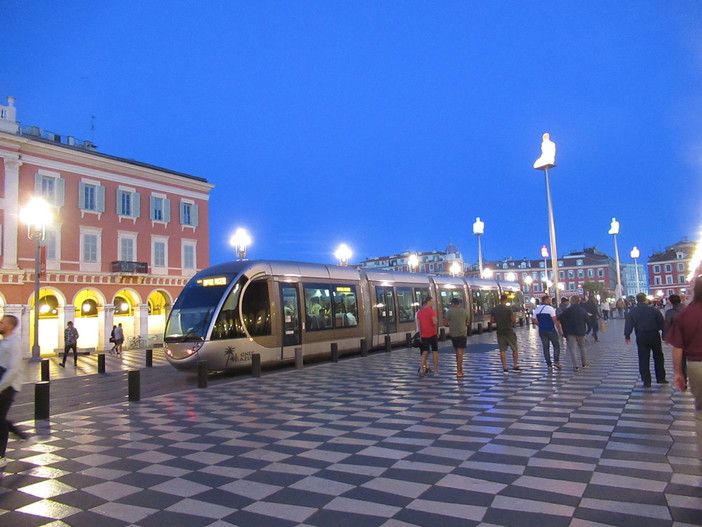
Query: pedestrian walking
(604,307)
(458,320)
(686,338)
(620,305)
(549,331)
(593,322)
(574,324)
(70,342)
(427,321)
(119,338)
(565,304)
(648,323)
(112,340)
(11,376)
(504,319)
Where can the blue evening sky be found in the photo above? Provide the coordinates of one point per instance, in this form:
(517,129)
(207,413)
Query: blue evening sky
(387,125)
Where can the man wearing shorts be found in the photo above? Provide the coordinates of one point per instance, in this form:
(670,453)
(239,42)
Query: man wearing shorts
(503,318)
(426,322)
(457,319)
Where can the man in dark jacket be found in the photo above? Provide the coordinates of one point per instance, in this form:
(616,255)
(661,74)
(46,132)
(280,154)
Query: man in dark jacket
(574,322)
(648,323)
(593,321)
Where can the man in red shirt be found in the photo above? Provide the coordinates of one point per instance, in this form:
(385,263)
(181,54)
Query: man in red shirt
(686,339)
(426,322)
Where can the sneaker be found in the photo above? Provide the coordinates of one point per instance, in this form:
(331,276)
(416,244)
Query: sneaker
(517,369)
(559,365)
(505,371)
(576,369)
(3,462)
(664,381)
(586,366)
(549,366)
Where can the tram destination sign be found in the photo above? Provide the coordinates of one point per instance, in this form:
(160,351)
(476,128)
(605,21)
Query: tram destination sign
(210,282)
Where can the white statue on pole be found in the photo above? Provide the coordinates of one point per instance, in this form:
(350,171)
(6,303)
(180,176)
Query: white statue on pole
(548,154)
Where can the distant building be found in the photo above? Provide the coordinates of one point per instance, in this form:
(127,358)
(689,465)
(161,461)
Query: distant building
(634,279)
(434,262)
(669,270)
(126,237)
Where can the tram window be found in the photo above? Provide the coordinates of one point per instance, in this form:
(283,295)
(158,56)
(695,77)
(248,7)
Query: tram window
(405,304)
(420,295)
(478,307)
(345,306)
(256,309)
(228,325)
(318,301)
(449,294)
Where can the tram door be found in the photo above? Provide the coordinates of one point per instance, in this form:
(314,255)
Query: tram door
(387,318)
(291,320)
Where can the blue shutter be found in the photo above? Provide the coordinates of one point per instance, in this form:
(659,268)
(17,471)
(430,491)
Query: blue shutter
(193,215)
(100,198)
(182,213)
(118,207)
(60,191)
(135,205)
(152,208)
(166,210)
(81,195)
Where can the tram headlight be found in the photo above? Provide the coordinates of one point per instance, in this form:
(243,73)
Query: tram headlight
(194,348)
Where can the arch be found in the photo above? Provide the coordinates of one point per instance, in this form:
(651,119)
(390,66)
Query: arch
(86,302)
(124,302)
(159,301)
(50,300)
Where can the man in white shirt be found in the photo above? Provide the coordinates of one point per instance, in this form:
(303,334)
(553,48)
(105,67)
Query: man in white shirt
(11,380)
(549,330)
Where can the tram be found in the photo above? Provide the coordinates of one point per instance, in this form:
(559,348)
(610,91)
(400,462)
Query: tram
(230,311)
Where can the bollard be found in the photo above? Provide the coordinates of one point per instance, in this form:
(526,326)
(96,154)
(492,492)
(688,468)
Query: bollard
(101,363)
(334,352)
(408,339)
(442,334)
(256,365)
(41,400)
(149,358)
(364,348)
(489,326)
(134,384)
(480,327)
(45,369)
(202,374)
(521,322)
(388,345)
(298,359)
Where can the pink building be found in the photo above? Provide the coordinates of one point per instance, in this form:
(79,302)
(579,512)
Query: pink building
(124,240)
(669,271)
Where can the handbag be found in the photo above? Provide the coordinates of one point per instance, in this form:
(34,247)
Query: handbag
(416,340)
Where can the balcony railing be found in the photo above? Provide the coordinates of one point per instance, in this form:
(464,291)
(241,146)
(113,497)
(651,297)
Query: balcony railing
(130,267)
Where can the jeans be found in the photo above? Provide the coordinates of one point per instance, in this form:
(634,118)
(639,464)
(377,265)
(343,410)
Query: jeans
(548,338)
(647,342)
(578,341)
(694,381)
(6,398)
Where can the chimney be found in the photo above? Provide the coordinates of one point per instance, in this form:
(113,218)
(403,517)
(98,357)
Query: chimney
(8,117)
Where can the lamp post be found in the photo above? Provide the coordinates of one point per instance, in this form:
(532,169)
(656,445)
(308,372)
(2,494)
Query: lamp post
(413,262)
(343,254)
(487,273)
(614,231)
(478,230)
(544,255)
(510,277)
(455,269)
(240,241)
(528,281)
(635,253)
(37,215)
(546,161)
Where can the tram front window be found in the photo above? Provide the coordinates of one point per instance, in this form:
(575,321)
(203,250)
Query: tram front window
(193,310)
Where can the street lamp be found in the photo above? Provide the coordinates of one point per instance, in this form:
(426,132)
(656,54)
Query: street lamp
(455,269)
(413,262)
(544,255)
(546,161)
(635,253)
(614,230)
(343,254)
(487,273)
(37,215)
(510,277)
(478,230)
(240,241)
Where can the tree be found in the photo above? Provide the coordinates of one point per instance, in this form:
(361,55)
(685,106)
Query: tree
(593,288)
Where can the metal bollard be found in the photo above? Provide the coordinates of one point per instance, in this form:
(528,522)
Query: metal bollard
(442,334)
(388,345)
(101,363)
(41,400)
(521,322)
(149,358)
(334,352)
(134,384)
(408,340)
(480,327)
(256,365)
(298,359)
(45,369)
(202,374)
(364,348)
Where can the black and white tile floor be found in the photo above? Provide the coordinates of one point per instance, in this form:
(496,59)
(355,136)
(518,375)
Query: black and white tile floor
(365,442)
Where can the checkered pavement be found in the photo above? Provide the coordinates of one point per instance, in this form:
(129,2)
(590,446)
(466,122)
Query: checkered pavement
(366,442)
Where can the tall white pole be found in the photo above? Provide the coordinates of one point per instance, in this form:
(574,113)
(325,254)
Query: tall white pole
(552,235)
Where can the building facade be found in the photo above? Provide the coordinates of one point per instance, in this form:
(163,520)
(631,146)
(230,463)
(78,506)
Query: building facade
(124,239)
(434,262)
(671,271)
